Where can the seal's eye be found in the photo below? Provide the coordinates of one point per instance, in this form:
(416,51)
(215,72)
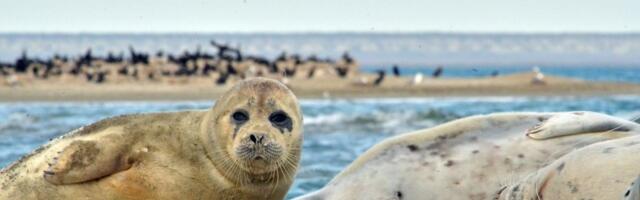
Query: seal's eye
(279,118)
(240,116)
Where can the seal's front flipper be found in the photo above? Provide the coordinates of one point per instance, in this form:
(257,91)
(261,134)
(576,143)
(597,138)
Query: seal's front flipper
(571,123)
(86,160)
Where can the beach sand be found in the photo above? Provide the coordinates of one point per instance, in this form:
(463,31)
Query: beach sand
(328,87)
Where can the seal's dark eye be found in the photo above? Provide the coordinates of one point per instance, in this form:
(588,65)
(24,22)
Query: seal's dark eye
(279,118)
(240,116)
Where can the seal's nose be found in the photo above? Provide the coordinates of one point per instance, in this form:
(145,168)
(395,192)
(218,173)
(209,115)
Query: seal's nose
(257,138)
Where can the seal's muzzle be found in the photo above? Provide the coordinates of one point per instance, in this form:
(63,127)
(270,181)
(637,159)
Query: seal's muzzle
(258,147)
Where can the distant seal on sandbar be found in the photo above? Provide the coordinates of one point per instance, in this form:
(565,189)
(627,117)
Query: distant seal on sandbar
(246,147)
(470,158)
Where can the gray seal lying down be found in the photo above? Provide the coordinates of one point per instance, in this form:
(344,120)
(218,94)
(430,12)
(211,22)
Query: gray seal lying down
(470,158)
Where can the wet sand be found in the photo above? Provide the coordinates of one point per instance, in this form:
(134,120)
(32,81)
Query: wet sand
(205,89)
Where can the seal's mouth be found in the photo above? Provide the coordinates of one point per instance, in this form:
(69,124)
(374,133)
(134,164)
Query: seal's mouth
(263,153)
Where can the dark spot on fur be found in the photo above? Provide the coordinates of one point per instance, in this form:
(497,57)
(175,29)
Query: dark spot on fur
(632,143)
(449,163)
(520,155)
(475,151)
(514,191)
(626,194)
(437,143)
(574,188)
(544,152)
(560,167)
(608,150)
(541,119)
(412,147)
(578,113)
(399,194)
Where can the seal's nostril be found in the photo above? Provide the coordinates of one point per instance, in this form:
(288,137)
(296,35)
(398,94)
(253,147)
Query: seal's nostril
(260,138)
(253,138)
(257,138)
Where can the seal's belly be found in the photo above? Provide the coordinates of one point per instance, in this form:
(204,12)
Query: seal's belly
(129,184)
(157,181)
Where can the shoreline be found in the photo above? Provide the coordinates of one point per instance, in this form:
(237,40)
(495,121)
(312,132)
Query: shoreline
(203,89)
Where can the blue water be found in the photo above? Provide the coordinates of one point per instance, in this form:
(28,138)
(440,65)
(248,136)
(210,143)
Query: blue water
(594,73)
(336,130)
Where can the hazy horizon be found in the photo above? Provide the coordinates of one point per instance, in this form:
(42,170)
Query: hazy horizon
(215,16)
(369,48)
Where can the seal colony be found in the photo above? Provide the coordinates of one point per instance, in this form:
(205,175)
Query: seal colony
(228,65)
(247,146)
(478,157)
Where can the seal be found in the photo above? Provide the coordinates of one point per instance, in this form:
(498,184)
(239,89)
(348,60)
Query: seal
(602,170)
(468,158)
(247,146)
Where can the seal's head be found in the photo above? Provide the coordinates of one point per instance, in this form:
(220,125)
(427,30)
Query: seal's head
(257,126)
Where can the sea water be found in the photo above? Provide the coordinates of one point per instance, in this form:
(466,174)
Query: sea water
(336,130)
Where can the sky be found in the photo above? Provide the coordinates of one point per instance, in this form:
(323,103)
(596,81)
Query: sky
(207,16)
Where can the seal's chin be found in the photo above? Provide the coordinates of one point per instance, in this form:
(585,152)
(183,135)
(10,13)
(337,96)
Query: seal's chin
(258,159)
(259,164)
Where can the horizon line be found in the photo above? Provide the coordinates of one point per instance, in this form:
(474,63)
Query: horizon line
(312,32)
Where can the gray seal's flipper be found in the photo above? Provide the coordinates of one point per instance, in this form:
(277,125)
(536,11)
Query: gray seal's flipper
(571,123)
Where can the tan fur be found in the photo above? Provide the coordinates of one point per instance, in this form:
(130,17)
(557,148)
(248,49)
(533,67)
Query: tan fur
(180,155)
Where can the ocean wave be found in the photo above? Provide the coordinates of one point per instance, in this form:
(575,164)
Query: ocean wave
(16,121)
